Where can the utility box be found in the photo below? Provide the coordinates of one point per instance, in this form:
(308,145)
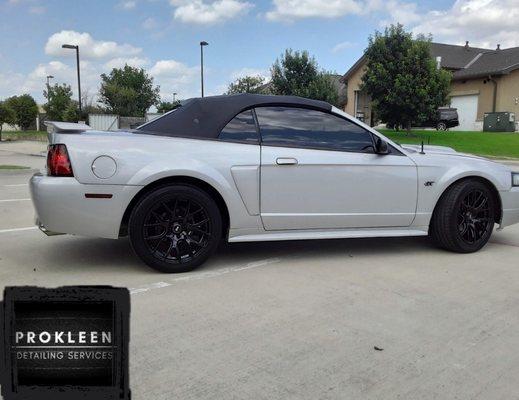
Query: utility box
(499,122)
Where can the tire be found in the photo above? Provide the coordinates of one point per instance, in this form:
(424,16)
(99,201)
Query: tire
(175,228)
(441,126)
(463,219)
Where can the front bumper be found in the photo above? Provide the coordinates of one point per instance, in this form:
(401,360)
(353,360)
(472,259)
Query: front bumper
(510,203)
(61,206)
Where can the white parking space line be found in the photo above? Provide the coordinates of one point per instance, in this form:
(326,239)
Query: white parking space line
(149,287)
(29,228)
(203,275)
(12,200)
(16,185)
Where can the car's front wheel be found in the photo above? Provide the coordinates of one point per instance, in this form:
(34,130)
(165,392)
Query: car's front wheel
(175,228)
(463,219)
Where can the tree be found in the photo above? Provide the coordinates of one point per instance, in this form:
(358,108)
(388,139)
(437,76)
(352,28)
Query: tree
(165,106)
(128,91)
(71,112)
(323,88)
(402,78)
(298,74)
(6,116)
(25,110)
(89,105)
(59,105)
(247,84)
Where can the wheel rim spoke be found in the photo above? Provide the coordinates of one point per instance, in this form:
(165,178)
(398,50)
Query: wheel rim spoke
(177,230)
(474,217)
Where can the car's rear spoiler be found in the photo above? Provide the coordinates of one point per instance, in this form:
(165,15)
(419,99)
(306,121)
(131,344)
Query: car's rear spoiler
(66,127)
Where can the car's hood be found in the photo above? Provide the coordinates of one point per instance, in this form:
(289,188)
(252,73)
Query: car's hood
(441,150)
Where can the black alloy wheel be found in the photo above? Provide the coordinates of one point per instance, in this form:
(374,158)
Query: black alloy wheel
(175,228)
(464,217)
(474,218)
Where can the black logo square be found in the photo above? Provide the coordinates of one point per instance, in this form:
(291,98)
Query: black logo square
(68,342)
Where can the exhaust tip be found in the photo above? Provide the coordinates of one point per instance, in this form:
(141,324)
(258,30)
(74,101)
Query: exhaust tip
(46,231)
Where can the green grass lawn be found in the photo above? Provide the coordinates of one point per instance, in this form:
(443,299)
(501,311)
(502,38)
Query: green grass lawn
(24,135)
(7,166)
(494,144)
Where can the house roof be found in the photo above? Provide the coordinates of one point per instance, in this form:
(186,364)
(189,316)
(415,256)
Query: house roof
(455,57)
(465,61)
(354,68)
(496,62)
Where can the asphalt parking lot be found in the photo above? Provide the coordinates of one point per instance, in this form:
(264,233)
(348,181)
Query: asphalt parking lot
(294,320)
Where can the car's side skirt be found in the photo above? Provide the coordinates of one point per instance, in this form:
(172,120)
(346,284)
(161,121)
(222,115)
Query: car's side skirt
(328,234)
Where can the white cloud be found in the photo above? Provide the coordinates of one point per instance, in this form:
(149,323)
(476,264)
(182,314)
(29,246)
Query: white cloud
(51,68)
(209,12)
(150,23)
(88,46)
(404,13)
(342,46)
(128,5)
(120,62)
(169,68)
(289,10)
(63,73)
(13,83)
(483,22)
(175,76)
(242,72)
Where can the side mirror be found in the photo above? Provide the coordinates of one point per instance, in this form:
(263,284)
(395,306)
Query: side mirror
(381,146)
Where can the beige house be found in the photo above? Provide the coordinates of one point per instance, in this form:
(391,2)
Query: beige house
(483,80)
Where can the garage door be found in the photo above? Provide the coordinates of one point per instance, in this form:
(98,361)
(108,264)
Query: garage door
(467,111)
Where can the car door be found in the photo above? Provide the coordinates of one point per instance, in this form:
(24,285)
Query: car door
(319,171)
(244,157)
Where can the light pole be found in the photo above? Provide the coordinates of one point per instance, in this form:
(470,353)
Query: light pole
(75,47)
(49,77)
(202,44)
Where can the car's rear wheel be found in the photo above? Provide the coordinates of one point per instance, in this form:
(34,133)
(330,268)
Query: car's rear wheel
(464,217)
(175,228)
(441,126)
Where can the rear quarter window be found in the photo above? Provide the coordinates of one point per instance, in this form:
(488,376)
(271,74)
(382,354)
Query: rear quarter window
(241,128)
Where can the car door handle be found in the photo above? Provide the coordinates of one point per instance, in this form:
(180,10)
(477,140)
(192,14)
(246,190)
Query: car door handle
(286,161)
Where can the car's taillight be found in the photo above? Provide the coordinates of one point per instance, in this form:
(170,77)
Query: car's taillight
(58,162)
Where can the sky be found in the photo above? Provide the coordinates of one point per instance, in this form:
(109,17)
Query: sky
(245,37)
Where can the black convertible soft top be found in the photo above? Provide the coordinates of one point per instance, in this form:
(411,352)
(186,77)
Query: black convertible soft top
(205,117)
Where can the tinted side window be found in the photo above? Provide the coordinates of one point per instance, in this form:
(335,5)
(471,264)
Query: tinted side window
(299,127)
(240,129)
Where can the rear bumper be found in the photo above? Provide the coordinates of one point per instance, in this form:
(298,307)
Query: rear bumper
(61,206)
(510,203)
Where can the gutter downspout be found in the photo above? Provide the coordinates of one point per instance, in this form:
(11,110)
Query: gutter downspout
(495,92)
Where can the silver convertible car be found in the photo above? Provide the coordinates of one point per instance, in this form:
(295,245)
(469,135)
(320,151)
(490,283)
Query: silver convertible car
(254,168)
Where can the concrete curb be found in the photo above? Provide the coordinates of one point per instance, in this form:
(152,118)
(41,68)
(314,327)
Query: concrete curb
(7,172)
(42,154)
